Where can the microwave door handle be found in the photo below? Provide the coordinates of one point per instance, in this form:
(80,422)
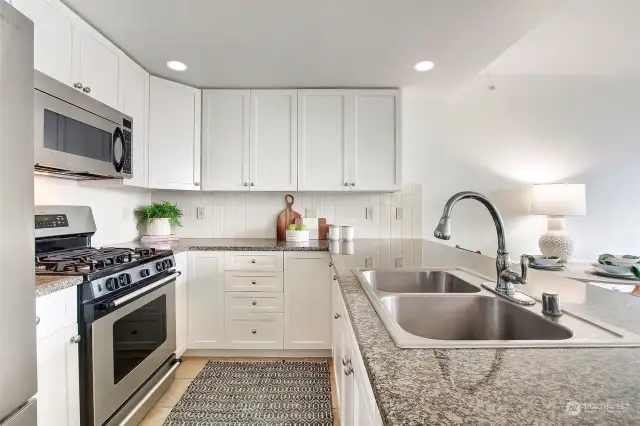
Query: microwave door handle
(143,291)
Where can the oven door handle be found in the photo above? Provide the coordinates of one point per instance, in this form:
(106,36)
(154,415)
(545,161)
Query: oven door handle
(147,289)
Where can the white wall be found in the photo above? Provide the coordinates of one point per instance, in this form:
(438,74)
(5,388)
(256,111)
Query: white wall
(253,215)
(112,207)
(531,129)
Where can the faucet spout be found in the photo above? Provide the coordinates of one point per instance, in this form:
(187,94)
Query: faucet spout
(505,276)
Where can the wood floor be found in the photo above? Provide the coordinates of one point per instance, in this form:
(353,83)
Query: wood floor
(189,370)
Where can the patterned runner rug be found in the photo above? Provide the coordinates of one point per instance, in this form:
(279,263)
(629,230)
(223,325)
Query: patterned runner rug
(260,393)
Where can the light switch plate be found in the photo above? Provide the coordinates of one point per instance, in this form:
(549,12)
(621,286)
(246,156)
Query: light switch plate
(399,262)
(200,213)
(369,213)
(368,262)
(399,213)
(311,212)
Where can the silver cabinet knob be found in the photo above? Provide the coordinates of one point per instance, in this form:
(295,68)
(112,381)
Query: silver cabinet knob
(346,361)
(254,331)
(253,261)
(335,277)
(330,264)
(254,303)
(254,282)
(37,320)
(348,370)
(346,184)
(353,184)
(337,315)
(87,90)
(77,85)
(246,184)
(253,184)
(76,339)
(196,183)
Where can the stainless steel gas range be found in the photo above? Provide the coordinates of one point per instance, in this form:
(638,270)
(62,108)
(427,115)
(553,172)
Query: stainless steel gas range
(126,315)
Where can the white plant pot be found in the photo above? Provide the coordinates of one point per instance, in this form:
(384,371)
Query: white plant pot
(159,227)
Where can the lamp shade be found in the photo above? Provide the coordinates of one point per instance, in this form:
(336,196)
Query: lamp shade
(559,199)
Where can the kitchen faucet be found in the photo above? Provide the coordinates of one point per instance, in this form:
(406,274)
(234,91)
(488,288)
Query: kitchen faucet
(505,276)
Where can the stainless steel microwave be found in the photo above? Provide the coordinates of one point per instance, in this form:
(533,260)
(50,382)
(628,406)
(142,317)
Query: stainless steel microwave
(77,136)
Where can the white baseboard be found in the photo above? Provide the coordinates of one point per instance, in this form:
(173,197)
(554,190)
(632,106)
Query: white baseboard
(258,353)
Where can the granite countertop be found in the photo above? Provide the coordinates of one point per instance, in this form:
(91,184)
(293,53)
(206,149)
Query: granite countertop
(50,284)
(495,386)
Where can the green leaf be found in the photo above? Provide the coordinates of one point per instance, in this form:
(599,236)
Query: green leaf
(161,210)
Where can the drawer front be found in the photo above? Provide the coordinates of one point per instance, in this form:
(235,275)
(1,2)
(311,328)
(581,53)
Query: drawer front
(56,311)
(254,331)
(253,281)
(240,303)
(253,261)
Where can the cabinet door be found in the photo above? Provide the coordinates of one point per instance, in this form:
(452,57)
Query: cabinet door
(181,304)
(336,336)
(225,140)
(174,135)
(205,300)
(345,375)
(133,100)
(53,44)
(58,379)
(96,66)
(273,151)
(375,152)
(365,410)
(307,300)
(323,140)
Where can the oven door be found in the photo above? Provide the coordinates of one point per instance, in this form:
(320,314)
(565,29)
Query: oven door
(68,137)
(130,341)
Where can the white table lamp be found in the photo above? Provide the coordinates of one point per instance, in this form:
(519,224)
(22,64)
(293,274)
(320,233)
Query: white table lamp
(557,201)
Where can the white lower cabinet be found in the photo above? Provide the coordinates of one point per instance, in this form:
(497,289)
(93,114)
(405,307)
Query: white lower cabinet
(307,300)
(205,300)
(356,403)
(58,366)
(181,304)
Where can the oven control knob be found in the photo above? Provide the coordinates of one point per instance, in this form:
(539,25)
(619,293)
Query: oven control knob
(112,284)
(145,272)
(160,266)
(125,279)
(168,263)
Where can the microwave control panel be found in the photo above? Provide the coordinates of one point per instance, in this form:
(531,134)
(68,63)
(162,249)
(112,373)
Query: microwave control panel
(126,167)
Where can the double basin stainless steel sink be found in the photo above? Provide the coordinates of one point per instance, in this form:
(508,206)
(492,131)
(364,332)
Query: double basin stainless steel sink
(447,308)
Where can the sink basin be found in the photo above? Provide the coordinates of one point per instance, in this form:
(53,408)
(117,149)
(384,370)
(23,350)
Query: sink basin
(421,281)
(470,318)
(448,308)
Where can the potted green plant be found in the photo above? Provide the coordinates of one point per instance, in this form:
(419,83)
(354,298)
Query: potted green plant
(159,217)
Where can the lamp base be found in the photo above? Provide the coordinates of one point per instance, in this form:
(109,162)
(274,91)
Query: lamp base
(556,241)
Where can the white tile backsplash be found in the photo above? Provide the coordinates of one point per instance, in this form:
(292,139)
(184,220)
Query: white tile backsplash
(254,214)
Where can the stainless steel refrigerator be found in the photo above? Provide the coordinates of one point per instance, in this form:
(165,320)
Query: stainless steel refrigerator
(18,375)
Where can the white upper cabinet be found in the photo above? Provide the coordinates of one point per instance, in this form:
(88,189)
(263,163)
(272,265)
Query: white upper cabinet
(225,140)
(349,140)
(174,135)
(322,140)
(133,100)
(96,68)
(53,49)
(375,151)
(274,140)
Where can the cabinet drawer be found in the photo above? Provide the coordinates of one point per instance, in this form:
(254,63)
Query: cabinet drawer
(253,261)
(253,281)
(56,311)
(240,303)
(254,331)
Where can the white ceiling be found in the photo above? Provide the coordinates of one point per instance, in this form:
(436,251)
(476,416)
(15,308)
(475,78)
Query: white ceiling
(314,43)
(597,37)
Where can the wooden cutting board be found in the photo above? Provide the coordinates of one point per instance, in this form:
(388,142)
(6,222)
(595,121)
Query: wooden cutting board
(286,218)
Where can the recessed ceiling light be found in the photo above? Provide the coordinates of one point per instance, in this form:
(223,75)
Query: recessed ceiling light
(177,65)
(424,66)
